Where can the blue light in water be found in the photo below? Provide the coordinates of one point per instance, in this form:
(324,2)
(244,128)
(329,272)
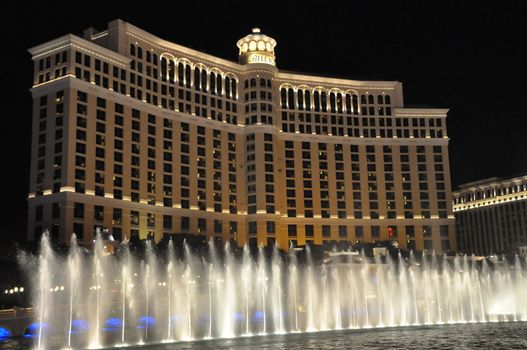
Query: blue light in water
(146,321)
(238,316)
(5,333)
(112,324)
(79,326)
(33,329)
(204,319)
(258,316)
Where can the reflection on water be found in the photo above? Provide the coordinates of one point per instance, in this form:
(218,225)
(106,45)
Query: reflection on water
(511,335)
(493,335)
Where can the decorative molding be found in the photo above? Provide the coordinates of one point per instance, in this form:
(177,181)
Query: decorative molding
(71,40)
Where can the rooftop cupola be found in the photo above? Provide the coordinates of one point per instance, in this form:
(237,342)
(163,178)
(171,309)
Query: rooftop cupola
(257,48)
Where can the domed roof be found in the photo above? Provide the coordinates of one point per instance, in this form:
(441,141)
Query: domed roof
(259,44)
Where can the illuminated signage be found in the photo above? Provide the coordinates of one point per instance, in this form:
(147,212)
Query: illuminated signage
(260,58)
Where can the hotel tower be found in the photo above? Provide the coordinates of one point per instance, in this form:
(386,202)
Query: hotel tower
(140,136)
(491,216)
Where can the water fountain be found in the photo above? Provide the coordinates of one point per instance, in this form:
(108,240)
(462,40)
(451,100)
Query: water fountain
(109,301)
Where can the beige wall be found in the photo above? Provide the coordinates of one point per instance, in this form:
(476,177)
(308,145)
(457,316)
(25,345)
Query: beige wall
(243,166)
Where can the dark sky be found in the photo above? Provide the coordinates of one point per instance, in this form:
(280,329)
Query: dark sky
(447,55)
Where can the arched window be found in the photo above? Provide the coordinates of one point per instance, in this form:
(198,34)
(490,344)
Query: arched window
(379,99)
(219,84)
(171,72)
(370,99)
(203,80)
(132,49)
(247,84)
(148,56)
(291,98)
(197,79)
(188,75)
(262,82)
(300,99)
(233,88)
(363,99)
(212,83)
(355,101)
(154,59)
(316,100)
(139,52)
(253,82)
(324,102)
(308,100)
(387,99)
(227,87)
(283,96)
(164,69)
(339,102)
(181,73)
(348,104)
(269,83)
(332,102)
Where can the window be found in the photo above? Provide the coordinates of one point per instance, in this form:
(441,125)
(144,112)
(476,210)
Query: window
(310,231)
(233,227)
(271,227)
(78,230)
(38,212)
(134,217)
(55,211)
(167,222)
(185,223)
(252,228)
(98,213)
(202,225)
(117,216)
(427,231)
(78,210)
(429,244)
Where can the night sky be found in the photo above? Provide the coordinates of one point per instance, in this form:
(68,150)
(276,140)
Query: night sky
(448,55)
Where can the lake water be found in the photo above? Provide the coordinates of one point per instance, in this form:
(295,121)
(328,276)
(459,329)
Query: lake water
(461,336)
(464,336)
(502,335)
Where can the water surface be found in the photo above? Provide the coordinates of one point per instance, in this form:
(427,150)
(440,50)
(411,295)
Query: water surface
(502,335)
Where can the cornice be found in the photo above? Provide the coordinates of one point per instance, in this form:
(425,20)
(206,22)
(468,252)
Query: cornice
(420,112)
(163,44)
(71,40)
(313,80)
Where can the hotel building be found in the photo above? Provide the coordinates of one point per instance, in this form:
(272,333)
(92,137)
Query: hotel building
(141,136)
(491,216)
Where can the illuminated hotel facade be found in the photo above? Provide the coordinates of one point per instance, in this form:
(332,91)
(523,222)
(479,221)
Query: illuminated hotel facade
(491,216)
(141,136)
